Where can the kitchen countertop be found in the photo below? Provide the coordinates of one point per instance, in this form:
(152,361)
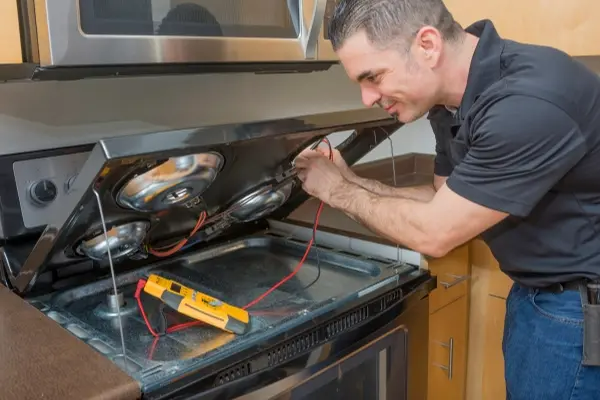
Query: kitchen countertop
(42,360)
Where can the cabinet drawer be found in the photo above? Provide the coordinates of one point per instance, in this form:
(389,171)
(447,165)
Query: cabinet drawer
(482,259)
(448,329)
(452,272)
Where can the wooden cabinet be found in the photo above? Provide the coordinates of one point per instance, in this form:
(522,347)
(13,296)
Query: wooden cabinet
(10,36)
(448,325)
(567,25)
(448,351)
(493,360)
(452,272)
(489,288)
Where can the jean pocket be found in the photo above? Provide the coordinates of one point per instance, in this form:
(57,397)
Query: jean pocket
(562,307)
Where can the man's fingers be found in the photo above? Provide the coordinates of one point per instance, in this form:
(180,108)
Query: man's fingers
(308,153)
(301,162)
(323,151)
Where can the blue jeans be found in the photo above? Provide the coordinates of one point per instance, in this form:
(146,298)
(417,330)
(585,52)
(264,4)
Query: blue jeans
(543,346)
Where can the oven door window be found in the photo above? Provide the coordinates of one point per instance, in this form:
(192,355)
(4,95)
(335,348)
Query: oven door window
(375,371)
(197,18)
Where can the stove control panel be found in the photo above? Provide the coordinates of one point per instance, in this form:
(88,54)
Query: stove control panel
(42,182)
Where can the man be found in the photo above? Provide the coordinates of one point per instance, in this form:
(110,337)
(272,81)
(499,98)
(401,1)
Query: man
(518,162)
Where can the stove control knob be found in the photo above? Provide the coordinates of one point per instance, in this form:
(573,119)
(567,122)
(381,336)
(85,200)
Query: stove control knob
(43,192)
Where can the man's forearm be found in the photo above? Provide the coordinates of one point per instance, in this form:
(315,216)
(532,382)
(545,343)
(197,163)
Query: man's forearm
(401,220)
(422,193)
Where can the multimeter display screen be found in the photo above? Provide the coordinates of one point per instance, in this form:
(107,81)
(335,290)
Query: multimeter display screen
(176,287)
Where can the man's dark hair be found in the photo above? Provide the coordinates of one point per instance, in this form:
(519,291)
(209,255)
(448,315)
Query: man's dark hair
(390,22)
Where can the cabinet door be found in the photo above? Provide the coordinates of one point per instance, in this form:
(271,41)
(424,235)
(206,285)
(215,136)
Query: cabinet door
(448,351)
(10,37)
(494,387)
(567,25)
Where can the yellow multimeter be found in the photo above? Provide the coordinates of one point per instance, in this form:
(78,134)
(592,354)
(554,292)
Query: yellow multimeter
(198,305)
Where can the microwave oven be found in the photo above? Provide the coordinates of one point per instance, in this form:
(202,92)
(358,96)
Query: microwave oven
(76,38)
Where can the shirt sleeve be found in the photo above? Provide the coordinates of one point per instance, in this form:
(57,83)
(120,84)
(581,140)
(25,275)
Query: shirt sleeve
(519,150)
(442,165)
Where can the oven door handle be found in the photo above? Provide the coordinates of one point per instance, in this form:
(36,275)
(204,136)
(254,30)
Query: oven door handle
(309,35)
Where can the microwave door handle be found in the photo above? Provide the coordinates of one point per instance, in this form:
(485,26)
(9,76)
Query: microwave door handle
(309,36)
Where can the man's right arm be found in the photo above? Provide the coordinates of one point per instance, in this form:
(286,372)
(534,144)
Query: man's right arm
(422,193)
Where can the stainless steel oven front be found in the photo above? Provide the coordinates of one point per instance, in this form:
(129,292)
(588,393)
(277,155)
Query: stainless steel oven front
(147,32)
(386,359)
(325,47)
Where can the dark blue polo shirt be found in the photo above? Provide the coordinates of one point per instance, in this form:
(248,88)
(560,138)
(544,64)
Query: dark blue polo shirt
(526,140)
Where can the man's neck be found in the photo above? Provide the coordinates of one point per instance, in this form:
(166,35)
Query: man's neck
(456,71)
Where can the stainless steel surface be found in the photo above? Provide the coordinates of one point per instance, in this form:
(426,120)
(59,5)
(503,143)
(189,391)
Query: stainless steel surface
(63,42)
(256,262)
(449,367)
(377,348)
(260,203)
(59,170)
(114,158)
(113,277)
(174,182)
(457,279)
(325,48)
(382,359)
(350,245)
(119,241)
(115,301)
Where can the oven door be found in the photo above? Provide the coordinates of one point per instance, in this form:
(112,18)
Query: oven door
(146,32)
(325,49)
(374,371)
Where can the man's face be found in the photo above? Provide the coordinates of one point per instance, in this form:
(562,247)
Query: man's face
(404,84)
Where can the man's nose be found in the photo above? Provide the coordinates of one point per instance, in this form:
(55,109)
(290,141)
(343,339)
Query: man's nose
(370,97)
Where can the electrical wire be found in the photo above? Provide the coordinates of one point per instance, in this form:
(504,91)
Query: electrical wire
(314,231)
(182,244)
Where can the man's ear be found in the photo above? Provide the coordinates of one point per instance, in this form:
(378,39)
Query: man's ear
(428,45)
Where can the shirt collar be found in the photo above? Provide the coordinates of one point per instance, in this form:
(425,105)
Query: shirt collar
(485,65)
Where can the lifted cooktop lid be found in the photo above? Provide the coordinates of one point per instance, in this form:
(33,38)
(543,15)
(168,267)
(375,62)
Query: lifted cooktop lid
(128,182)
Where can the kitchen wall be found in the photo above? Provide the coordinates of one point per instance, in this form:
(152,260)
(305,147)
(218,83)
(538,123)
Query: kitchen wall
(37,115)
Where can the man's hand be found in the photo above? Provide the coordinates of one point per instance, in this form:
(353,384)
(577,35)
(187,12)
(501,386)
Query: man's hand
(320,176)
(337,158)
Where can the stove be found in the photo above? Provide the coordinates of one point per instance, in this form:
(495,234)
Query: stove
(207,207)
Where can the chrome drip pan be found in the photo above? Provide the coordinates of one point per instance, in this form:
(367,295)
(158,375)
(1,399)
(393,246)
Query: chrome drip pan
(122,241)
(237,273)
(174,182)
(261,202)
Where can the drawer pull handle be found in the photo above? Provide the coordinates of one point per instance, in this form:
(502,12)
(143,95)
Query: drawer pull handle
(457,279)
(450,346)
